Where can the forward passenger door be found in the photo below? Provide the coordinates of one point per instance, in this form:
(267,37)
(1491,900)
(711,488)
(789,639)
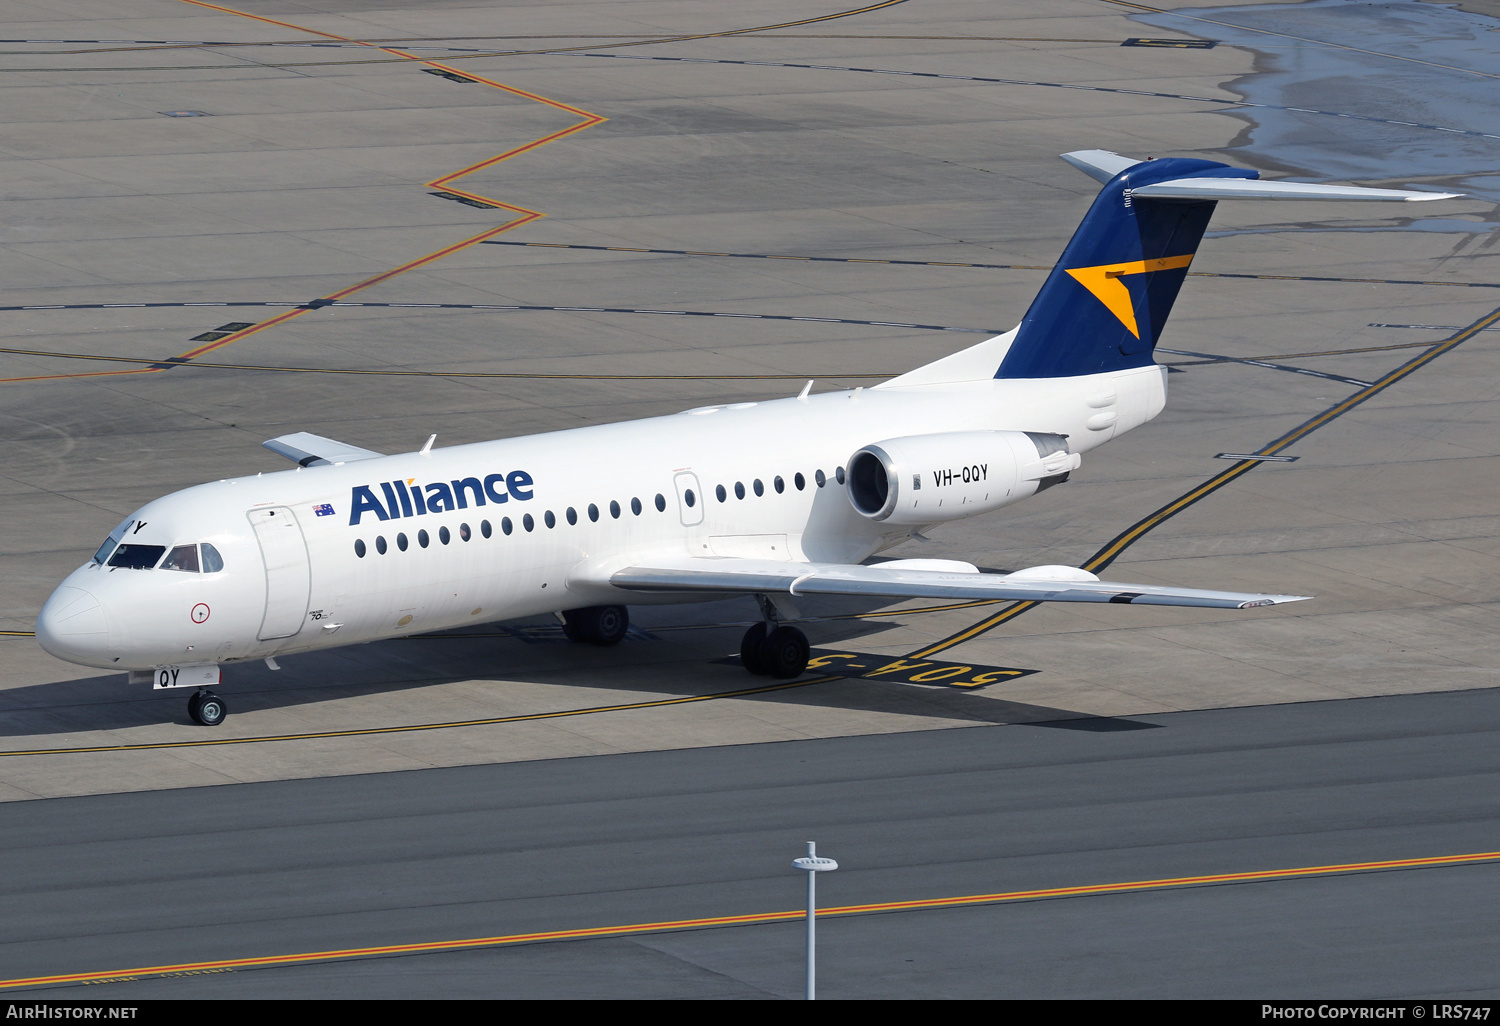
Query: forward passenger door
(288,576)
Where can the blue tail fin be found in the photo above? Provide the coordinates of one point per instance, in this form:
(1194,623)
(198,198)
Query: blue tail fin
(1105,303)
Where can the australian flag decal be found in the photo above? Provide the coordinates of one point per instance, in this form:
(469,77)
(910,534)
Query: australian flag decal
(324,509)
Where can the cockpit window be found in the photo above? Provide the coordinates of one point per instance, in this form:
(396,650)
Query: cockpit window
(111,542)
(182,557)
(137,557)
(212,561)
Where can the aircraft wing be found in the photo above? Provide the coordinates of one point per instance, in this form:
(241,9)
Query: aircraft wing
(309,450)
(891,580)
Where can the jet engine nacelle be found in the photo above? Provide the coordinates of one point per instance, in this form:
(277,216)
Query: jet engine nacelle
(928,479)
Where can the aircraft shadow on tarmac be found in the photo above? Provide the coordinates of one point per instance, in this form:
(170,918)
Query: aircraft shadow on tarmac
(658,658)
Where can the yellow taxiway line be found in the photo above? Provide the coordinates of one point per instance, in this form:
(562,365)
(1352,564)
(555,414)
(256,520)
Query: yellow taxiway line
(415,727)
(1107,555)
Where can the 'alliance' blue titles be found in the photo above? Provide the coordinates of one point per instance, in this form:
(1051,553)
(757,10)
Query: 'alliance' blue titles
(414,500)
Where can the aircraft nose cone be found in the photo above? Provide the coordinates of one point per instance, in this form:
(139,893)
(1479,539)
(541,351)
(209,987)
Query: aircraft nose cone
(71,626)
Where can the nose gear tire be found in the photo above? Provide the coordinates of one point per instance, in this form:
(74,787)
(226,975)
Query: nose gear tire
(207,708)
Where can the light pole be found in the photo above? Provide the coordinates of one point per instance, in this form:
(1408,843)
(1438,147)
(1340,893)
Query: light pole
(813,865)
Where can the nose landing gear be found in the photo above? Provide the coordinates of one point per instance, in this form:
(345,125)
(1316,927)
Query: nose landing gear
(773,649)
(207,708)
(598,625)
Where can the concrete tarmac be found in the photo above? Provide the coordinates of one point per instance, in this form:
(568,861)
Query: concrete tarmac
(102,884)
(305,177)
(181,182)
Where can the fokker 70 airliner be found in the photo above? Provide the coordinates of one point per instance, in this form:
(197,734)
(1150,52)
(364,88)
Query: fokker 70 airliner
(773,500)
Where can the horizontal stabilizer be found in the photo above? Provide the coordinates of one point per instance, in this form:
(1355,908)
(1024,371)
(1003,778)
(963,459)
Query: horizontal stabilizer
(1104,165)
(1047,584)
(309,450)
(1100,165)
(1103,307)
(1244,188)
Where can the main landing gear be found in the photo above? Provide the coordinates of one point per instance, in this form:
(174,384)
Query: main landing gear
(773,649)
(598,625)
(207,708)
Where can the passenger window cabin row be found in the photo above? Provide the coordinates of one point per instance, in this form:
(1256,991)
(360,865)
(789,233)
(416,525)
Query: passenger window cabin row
(506,526)
(444,536)
(201,557)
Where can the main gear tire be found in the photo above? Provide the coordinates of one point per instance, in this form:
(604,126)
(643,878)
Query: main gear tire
(784,653)
(575,625)
(750,649)
(610,624)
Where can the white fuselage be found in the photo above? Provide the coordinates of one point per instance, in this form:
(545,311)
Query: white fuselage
(320,592)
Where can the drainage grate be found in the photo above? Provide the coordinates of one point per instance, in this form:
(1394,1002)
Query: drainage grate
(1174,44)
(222,331)
(464,199)
(451,76)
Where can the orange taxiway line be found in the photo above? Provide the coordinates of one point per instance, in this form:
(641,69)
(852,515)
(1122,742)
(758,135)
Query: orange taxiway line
(750,919)
(335,296)
(524,215)
(81,374)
